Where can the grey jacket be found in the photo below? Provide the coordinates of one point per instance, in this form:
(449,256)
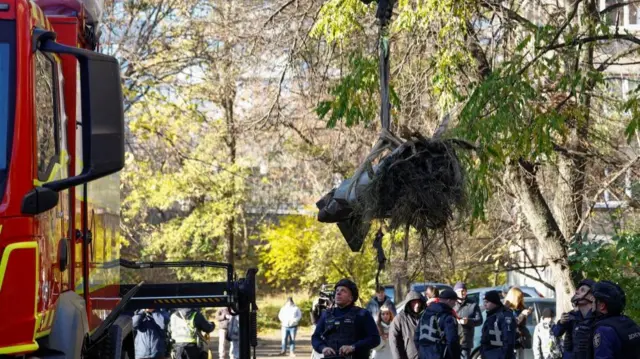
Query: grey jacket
(150,334)
(403,328)
(373,307)
(468,309)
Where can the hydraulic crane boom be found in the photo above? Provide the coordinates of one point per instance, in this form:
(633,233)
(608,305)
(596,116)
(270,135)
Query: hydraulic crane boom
(238,295)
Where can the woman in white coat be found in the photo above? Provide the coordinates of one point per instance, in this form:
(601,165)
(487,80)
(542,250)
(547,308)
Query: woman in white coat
(384,319)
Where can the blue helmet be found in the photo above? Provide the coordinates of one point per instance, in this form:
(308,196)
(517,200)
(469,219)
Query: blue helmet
(610,293)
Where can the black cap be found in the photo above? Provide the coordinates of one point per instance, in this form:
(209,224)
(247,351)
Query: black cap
(493,296)
(548,313)
(588,282)
(349,284)
(448,294)
(610,293)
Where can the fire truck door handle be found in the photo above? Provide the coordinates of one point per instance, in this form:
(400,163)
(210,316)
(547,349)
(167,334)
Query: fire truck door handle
(63,254)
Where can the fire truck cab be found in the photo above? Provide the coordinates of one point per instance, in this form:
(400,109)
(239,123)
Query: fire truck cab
(61,150)
(61,147)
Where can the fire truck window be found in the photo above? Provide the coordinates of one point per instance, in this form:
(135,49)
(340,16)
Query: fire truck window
(46,113)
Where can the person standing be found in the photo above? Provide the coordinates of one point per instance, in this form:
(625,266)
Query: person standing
(515,301)
(576,325)
(431,292)
(404,326)
(378,301)
(385,317)
(470,317)
(186,325)
(614,334)
(223,317)
(345,329)
(436,336)
(233,336)
(289,316)
(150,329)
(499,330)
(543,341)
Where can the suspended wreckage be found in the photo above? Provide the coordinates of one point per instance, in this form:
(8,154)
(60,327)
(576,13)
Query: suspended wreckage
(416,181)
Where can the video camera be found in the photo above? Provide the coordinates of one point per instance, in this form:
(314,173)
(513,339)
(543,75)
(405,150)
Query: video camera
(326,295)
(324,302)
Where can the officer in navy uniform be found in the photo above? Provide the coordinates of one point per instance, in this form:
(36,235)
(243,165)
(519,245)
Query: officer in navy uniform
(436,335)
(345,330)
(499,330)
(614,335)
(576,325)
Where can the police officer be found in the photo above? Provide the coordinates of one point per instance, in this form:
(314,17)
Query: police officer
(185,326)
(345,330)
(437,332)
(614,335)
(576,325)
(499,330)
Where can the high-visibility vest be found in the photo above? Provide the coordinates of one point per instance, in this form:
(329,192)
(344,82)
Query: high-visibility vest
(183,330)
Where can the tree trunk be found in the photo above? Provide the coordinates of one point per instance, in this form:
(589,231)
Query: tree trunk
(545,229)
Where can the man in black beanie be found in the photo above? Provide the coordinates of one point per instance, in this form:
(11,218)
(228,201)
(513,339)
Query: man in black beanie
(345,330)
(499,329)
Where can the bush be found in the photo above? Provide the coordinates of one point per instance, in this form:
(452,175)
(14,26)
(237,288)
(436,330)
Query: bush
(618,261)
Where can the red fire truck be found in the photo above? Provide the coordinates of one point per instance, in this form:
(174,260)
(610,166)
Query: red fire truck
(61,147)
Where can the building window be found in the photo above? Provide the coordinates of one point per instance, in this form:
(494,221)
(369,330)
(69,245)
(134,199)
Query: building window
(623,16)
(46,115)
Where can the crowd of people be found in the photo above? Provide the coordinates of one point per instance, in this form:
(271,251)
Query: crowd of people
(441,325)
(183,334)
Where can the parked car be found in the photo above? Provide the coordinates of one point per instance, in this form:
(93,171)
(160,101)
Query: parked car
(390,291)
(538,305)
(477,294)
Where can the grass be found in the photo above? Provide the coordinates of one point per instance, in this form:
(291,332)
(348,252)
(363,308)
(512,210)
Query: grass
(269,307)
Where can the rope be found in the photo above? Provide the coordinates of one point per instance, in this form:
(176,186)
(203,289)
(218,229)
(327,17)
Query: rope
(386,140)
(377,244)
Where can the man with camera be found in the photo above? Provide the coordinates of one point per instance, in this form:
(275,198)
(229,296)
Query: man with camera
(322,303)
(345,330)
(150,327)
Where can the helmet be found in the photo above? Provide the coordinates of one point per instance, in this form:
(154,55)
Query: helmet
(576,299)
(610,293)
(349,284)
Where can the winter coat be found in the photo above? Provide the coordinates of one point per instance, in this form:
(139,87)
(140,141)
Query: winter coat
(374,307)
(223,318)
(542,341)
(437,333)
(468,309)
(383,351)
(403,328)
(150,334)
(290,315)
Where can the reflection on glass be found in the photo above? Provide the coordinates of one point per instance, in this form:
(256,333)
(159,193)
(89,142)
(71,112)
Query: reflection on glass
(616,16)
(633,14)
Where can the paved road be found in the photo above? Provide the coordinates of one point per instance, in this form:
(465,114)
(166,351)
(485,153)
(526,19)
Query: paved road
(269,345)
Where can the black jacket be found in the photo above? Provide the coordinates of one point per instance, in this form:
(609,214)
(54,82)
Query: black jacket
(403,328)
(468,309)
